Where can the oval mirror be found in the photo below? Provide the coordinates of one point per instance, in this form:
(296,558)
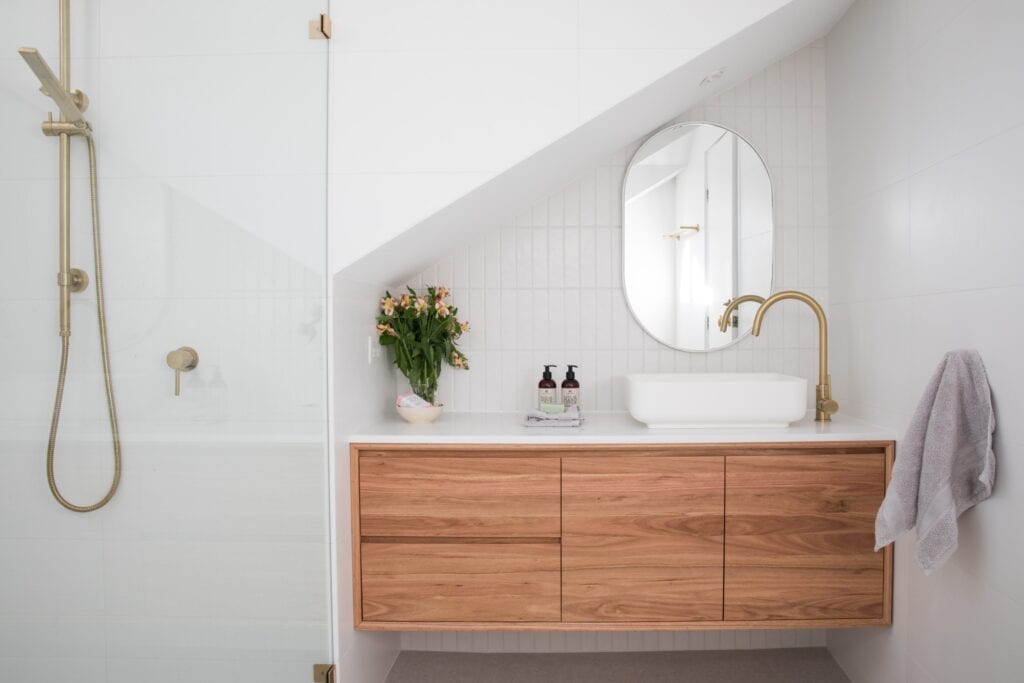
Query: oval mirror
(696,232)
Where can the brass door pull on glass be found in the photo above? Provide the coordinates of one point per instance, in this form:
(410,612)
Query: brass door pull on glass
(182,359)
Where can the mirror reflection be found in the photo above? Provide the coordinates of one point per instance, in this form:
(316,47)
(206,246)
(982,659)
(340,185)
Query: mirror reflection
(697,231)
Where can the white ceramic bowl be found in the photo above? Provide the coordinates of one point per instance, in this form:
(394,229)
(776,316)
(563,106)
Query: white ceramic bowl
(420,416)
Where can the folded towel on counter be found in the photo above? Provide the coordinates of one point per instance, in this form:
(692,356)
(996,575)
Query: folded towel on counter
(945,465)
(570,418)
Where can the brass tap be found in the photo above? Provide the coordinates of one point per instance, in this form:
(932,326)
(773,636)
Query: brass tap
(824,405)
(731,305)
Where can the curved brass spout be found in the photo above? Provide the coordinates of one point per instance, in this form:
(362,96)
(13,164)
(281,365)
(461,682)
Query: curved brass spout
(824,406)
(731,305)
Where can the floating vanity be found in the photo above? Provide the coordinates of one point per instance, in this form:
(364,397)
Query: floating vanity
(477,522)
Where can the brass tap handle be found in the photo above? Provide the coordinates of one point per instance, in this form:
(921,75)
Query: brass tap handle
(828,406)
(182,359)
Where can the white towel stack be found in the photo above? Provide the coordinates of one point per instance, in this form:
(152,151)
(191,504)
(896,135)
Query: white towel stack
(570,418)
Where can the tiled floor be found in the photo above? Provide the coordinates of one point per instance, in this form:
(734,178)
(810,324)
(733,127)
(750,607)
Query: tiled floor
(810,665)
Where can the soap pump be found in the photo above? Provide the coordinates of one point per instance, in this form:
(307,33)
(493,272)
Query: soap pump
(547,390)
(570,388)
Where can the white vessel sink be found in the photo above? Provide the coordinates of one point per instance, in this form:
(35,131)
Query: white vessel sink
(692,400)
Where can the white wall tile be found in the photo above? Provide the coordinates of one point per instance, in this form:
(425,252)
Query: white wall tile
(963,81)
(196,27)
(924,121)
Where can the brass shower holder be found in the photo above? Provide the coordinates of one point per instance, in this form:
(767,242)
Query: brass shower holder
(76,278)
(53,128)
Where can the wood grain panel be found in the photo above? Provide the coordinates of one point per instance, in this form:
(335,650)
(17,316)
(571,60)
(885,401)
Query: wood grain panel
(800,536)
(460,582)
(642,538)
(756,593)
(459,496)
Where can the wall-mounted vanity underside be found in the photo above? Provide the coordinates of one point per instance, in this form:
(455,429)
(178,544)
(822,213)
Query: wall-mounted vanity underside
(523,533)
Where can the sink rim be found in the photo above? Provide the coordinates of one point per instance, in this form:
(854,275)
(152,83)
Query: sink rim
(712,377)
(695,400)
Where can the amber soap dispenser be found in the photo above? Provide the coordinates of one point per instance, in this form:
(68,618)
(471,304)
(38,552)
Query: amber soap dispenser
(547,390)
(571,388)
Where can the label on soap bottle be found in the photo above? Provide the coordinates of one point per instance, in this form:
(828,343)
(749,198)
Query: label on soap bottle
(570,396)
(548,395)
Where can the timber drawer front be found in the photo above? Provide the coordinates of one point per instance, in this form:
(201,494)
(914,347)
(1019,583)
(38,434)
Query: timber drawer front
(619,537)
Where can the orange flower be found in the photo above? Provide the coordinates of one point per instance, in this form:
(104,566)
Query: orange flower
(464,327)
(457,360)
(383,329)
(404,302)
(387,304)
(442,293)
(421,304)
(442,309)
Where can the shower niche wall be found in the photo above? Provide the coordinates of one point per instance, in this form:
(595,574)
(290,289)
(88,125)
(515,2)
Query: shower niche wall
(211,561)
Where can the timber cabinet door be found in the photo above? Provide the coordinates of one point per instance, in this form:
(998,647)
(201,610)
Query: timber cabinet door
(458,537)
(642,538)
(800,537)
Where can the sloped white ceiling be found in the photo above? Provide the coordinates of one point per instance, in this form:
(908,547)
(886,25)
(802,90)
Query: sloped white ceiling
(445,116)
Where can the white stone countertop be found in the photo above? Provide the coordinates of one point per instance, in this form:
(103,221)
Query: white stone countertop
(604,428)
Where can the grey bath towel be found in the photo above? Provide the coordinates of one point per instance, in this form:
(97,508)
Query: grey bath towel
(945,465)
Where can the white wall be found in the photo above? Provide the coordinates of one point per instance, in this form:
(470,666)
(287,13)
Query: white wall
(547,288)
(430,100)
(211,561)
(925,145)
(361,393)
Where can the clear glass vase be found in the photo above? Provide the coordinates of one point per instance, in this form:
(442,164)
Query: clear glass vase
(425,389)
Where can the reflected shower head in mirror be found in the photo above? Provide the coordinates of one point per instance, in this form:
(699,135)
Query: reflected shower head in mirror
(71,104)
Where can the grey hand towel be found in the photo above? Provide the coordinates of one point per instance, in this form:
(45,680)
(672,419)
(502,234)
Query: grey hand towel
(945,465)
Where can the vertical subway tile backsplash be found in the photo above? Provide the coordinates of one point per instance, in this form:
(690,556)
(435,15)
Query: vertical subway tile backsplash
(547,287)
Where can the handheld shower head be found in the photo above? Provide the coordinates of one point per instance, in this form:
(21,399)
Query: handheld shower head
(51,87)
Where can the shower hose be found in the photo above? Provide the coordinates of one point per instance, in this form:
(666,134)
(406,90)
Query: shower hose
(104,354)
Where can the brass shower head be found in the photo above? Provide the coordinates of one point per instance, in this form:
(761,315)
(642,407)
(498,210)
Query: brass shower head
(72,104)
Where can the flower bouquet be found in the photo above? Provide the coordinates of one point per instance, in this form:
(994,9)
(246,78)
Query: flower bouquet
(422,330)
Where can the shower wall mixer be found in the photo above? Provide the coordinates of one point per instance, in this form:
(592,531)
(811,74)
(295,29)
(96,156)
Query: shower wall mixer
(72,123)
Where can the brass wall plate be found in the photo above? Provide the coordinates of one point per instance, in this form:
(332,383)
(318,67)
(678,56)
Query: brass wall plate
(323,673)
(79,280)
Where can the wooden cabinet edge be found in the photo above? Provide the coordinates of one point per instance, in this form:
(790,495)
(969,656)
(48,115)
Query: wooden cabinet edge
(888,560)
(568,450)
(789,624)
(357,567)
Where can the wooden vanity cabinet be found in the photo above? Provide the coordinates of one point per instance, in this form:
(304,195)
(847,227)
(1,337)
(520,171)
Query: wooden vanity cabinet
(619,537)
(642,538)
(800,534)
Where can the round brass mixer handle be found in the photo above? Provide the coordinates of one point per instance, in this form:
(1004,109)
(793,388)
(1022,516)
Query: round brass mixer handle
(182,359)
